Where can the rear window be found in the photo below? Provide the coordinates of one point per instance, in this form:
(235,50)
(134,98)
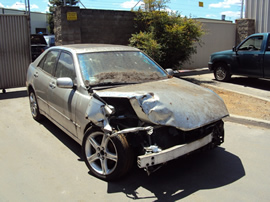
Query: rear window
(38,39)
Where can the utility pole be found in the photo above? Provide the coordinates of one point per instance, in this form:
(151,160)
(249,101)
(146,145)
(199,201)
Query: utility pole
(27,10)
(242,7)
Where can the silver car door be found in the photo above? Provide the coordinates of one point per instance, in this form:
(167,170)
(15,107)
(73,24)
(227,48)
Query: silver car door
(62,101)
(42,78)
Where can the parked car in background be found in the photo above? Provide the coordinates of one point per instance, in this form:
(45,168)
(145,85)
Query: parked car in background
(119,104)
(38,45)
(50,40)
(250,58)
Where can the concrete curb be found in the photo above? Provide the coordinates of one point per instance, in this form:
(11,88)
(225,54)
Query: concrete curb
(248,121)
(246,94)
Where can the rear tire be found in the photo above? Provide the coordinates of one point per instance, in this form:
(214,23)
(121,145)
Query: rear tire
(106,157)
(34,106)
(221,72)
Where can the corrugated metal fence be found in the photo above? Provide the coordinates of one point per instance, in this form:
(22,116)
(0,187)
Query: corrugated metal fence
(15,55)
(259,10)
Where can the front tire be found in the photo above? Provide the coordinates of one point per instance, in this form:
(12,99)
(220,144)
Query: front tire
(106,157)
(221,72)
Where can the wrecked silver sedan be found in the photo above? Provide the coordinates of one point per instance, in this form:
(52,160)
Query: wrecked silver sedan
(122,107)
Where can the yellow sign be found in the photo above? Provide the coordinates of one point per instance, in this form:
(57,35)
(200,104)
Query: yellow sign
(200,4)
(71,16)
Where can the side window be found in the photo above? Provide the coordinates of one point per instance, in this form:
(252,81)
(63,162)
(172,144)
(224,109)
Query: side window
(65,66)
(41,63)
(254,43)
(48,62)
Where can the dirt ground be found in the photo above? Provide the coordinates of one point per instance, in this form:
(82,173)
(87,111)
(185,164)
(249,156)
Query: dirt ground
(243,105)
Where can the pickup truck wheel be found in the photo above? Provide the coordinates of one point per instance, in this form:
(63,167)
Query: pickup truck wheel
(221,72)
(106,157)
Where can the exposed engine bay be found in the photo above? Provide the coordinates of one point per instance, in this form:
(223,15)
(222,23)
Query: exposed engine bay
(149,140)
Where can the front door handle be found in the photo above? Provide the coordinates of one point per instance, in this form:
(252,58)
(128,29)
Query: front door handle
(52,85)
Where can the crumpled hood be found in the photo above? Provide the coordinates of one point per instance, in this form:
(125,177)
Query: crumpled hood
(172,102)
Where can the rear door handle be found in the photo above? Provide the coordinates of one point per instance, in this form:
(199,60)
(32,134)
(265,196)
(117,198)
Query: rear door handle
(36,74)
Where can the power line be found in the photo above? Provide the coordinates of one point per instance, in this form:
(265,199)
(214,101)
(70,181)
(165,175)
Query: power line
(136,4)
(81,3)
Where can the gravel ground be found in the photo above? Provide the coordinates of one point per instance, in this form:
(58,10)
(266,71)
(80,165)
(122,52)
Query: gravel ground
(243,105)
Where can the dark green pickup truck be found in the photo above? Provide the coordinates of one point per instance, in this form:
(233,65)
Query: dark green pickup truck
(250,58)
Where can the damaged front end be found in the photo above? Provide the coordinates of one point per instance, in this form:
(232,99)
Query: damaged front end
(178,143)
(157,132)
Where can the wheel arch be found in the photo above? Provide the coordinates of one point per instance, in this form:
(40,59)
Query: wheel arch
(222,59)
(217,62)
(30,88)
(125,155)
(92,127)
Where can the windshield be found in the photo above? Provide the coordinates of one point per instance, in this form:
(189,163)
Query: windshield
(118,67)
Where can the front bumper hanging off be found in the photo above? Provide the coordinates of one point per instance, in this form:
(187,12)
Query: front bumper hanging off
(166,155)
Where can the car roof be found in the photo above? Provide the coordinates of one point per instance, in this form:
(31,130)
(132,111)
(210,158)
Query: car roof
(258,34)
(86,48)
(49,36)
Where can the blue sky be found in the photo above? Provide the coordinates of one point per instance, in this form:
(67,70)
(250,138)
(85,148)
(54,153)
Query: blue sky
(212,8)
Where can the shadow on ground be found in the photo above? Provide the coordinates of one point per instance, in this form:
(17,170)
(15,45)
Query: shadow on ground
(183,177)
(262,84)
(176,180)
(12,95)
(63,137)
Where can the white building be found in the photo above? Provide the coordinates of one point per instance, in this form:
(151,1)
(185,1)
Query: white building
(38,20)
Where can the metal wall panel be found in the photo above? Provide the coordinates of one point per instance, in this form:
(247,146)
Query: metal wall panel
(259,11)
(15,55)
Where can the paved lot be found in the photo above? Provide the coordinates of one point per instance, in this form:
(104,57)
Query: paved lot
(38,162)
(247,99)
(251,86)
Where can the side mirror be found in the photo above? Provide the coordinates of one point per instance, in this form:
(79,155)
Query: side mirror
(234,49)
(64,82)
(170,72)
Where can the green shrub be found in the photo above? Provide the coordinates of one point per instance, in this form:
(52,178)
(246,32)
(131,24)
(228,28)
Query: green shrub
(167,38)
(146,42)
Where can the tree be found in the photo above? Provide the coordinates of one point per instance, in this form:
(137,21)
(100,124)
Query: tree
(52,5)
(166,37)
(154,5)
